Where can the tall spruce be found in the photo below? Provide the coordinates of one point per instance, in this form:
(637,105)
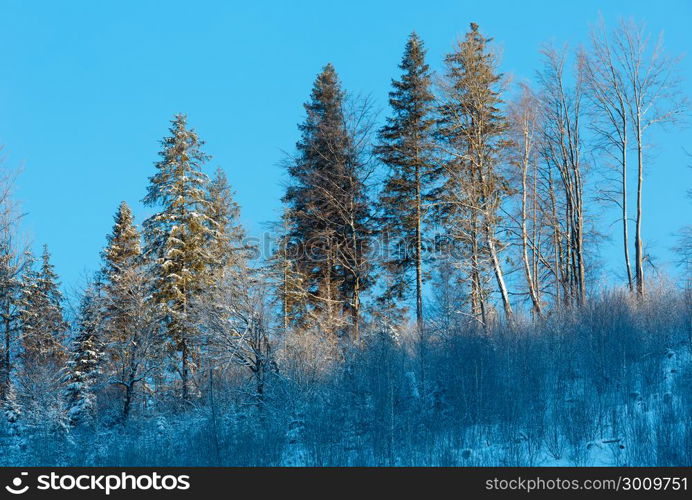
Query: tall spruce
(471,128)
(43,326)
(128,328)
(177,240)
(329,234)
(406,147)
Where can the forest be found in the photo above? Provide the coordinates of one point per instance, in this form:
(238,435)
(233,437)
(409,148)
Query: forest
(432,295)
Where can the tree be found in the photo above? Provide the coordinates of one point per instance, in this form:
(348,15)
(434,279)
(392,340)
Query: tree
(227,244)
(289,283)
(562,113)
(524,126)
(128,329)
(11,269)
(10,285)
(84,365)
(684,248)
(471,135)
(227,236)
(43,327)
(406,148)
(605,87)
(12,412)
(177,240)
(239,326)
(42,339)
(652,93)
(329,208)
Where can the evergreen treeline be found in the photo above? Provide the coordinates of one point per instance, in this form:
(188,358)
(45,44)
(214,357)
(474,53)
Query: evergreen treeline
(468,213)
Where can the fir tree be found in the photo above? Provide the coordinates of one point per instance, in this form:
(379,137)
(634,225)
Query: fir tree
(12,412)
(123,248)
(177,239)
(83,367)
(328,204)
(43,327)
(128,329)
(227,245)
(406,148)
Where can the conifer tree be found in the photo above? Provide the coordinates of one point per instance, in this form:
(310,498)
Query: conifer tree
(329,207)
(177,240)
(42,357)
(11,266)
(10,288)
(83,367)
(227,234)
(128,330)
(12,411)
(471,128)
(43,326)
(406,148)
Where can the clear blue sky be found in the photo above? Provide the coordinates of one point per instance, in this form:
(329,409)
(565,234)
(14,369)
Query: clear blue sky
(87,89)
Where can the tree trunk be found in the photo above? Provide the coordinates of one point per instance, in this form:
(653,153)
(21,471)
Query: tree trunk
(639,271)
(127,400)
(419,257)
(524,241)
(356,311)
(184,371)
(625,221)
(6,366)
(490,240)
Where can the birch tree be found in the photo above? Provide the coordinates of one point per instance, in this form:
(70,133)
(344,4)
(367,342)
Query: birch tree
(653,97)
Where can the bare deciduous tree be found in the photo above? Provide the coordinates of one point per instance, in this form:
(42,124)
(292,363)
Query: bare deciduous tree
(562,151)
(652,92)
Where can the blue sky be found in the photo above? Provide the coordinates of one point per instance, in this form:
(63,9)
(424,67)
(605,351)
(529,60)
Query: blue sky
(87,90)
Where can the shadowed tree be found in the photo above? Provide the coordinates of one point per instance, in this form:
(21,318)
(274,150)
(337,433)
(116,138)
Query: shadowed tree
(329,210)
(406,149)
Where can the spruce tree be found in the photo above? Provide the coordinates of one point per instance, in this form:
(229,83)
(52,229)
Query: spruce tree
(84,365)
(12,412)
(226,245)
(128,329)
(406,148)
(39,374)
(177,240)
(43,326)
(329,208)
(123,249)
